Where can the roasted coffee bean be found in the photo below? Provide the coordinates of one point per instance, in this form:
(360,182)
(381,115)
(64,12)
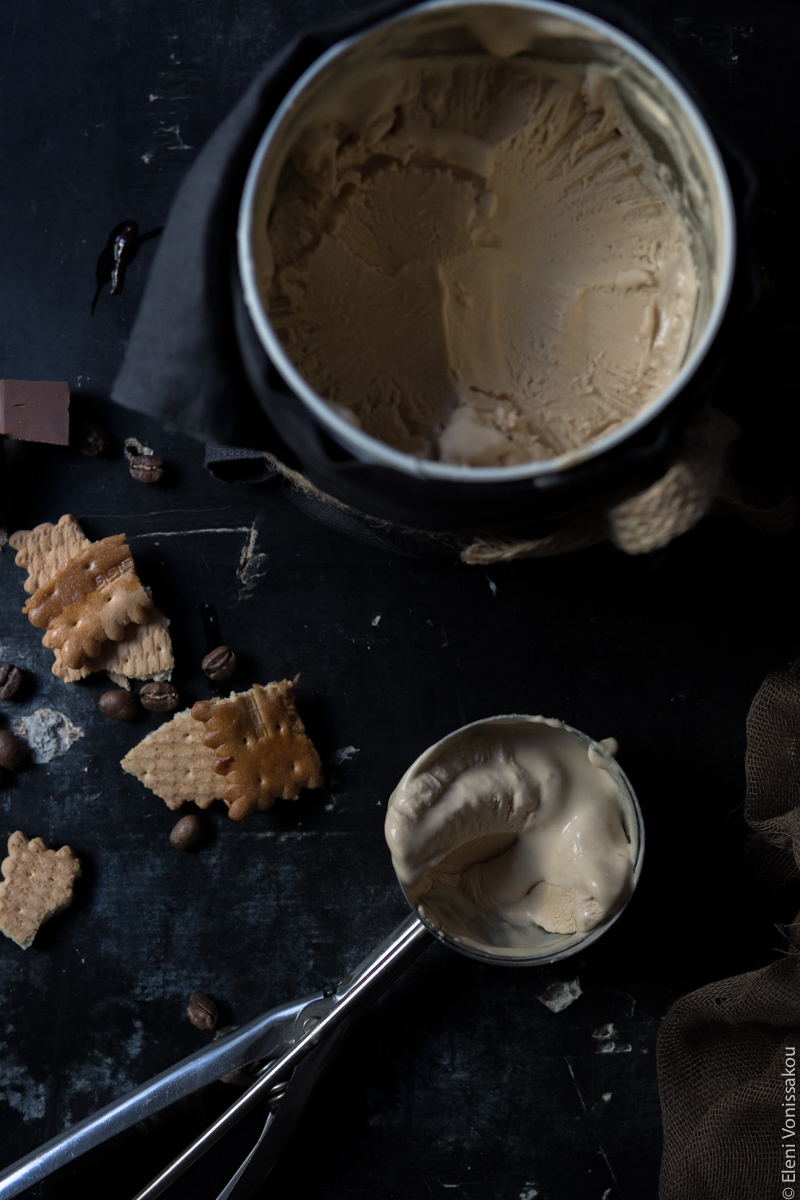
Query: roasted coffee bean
(160,697)
(91,439)
(189,833)
(14,753)
(202,1011)
(146,468)
(10,681)
(219,664)
(121,704)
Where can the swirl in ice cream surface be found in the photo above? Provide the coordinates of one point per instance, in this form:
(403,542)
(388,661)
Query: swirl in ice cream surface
(478,260)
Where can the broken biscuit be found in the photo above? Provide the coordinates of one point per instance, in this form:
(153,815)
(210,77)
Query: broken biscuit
(261,747)
(173,762)
(89,601)
(145,650)
(37,885)
(43,551)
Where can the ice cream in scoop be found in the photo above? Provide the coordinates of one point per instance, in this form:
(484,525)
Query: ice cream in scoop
(515,835)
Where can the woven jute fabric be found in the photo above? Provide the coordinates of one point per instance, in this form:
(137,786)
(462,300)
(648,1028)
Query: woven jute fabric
(727,1054)
(636,522)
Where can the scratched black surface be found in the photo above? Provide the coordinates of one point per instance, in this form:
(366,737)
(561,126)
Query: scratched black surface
(459,1078)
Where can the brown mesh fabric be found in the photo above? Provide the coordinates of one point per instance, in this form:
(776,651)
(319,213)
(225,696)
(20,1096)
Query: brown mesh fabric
(772,769)
(722,1051)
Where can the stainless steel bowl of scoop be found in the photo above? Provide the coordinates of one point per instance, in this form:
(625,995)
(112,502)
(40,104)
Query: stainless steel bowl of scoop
(463,825)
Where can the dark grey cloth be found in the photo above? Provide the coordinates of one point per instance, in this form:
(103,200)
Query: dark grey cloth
(235,464)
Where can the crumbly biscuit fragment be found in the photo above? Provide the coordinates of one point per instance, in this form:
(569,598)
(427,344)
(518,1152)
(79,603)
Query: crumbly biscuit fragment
(173,762)
(45,550)
(144,652)
(89,601)
(261,747)
(37,885)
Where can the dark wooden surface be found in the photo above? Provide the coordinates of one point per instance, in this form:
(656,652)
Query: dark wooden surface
(459,1078)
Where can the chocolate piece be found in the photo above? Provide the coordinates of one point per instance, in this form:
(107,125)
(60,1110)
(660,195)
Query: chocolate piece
(202,1011)
(189,833)
(160,697)
(120,704)
(219,664)
(10,681)
(146,468)
(34,411)
(14,753)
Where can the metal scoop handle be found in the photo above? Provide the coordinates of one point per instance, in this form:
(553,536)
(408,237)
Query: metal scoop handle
(355,992)
(277,1034)
(263,1037)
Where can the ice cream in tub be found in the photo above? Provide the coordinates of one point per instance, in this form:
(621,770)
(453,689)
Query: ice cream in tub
(485,243)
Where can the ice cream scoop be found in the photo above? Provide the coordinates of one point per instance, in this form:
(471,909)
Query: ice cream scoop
(516,837)
(503,829)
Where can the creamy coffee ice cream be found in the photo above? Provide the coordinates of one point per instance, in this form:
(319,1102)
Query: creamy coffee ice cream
(514,836)
(478,260)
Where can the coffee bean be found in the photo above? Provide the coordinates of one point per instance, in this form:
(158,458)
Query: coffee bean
(189,833)
(10,681)
(14,753)
(160,697)
(219,664)
(146,468)
(121,704)
(202,1011)
(91,439)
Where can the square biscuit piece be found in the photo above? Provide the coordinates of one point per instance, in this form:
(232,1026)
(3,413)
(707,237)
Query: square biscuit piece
(173,762)
(89,601)
(261,747)
(37,884)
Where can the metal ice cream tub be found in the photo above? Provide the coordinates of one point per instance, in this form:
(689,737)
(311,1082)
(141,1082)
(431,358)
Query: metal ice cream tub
(532,497)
